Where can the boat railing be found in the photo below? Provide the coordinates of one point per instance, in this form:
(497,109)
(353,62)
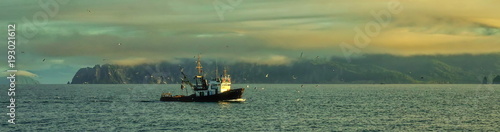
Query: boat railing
(166,95)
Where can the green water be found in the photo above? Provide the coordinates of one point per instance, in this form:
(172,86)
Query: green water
(268,107)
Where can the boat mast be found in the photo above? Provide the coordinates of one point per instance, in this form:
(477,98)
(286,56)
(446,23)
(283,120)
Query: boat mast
(200,71)
(225,72)
(216,70)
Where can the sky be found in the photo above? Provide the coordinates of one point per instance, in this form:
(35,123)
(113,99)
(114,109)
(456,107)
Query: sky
(56,38)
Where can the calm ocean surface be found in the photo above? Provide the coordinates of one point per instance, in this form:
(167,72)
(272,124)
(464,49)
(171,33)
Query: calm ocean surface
(268,107)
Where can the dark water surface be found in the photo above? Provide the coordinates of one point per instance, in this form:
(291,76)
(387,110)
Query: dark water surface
(268,107)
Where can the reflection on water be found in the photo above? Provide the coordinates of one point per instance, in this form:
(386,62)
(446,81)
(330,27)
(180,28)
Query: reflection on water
(224,105)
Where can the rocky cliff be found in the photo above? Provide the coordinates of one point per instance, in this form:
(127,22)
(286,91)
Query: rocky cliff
(115,74)
(496,80)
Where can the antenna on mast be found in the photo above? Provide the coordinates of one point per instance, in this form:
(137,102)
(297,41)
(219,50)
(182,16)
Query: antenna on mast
(200,71)
(225,72)
(216,69)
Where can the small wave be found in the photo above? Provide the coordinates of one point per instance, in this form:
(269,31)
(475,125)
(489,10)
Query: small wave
(148,101)
(100,100)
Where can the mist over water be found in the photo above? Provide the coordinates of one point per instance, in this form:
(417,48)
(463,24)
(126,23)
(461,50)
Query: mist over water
(268,107)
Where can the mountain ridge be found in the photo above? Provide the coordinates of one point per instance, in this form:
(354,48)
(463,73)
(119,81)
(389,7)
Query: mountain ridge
(370,69)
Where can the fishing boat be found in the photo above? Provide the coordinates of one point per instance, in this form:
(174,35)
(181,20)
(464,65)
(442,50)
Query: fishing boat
(218,89)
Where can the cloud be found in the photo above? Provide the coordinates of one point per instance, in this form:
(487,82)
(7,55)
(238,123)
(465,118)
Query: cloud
(133,61)
(26,73)
(268,32)
(21,73)
(57,61)
(270,60)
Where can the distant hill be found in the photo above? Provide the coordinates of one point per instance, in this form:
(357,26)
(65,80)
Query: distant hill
(20,80)
(387,69)
(496,80)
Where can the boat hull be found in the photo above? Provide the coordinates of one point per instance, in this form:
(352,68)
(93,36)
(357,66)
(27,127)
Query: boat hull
(228,95)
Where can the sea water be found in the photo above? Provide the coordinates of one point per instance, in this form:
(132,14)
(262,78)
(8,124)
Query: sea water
(268,107)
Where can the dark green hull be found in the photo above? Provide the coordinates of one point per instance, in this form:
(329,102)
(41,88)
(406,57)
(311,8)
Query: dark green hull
(228,95)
